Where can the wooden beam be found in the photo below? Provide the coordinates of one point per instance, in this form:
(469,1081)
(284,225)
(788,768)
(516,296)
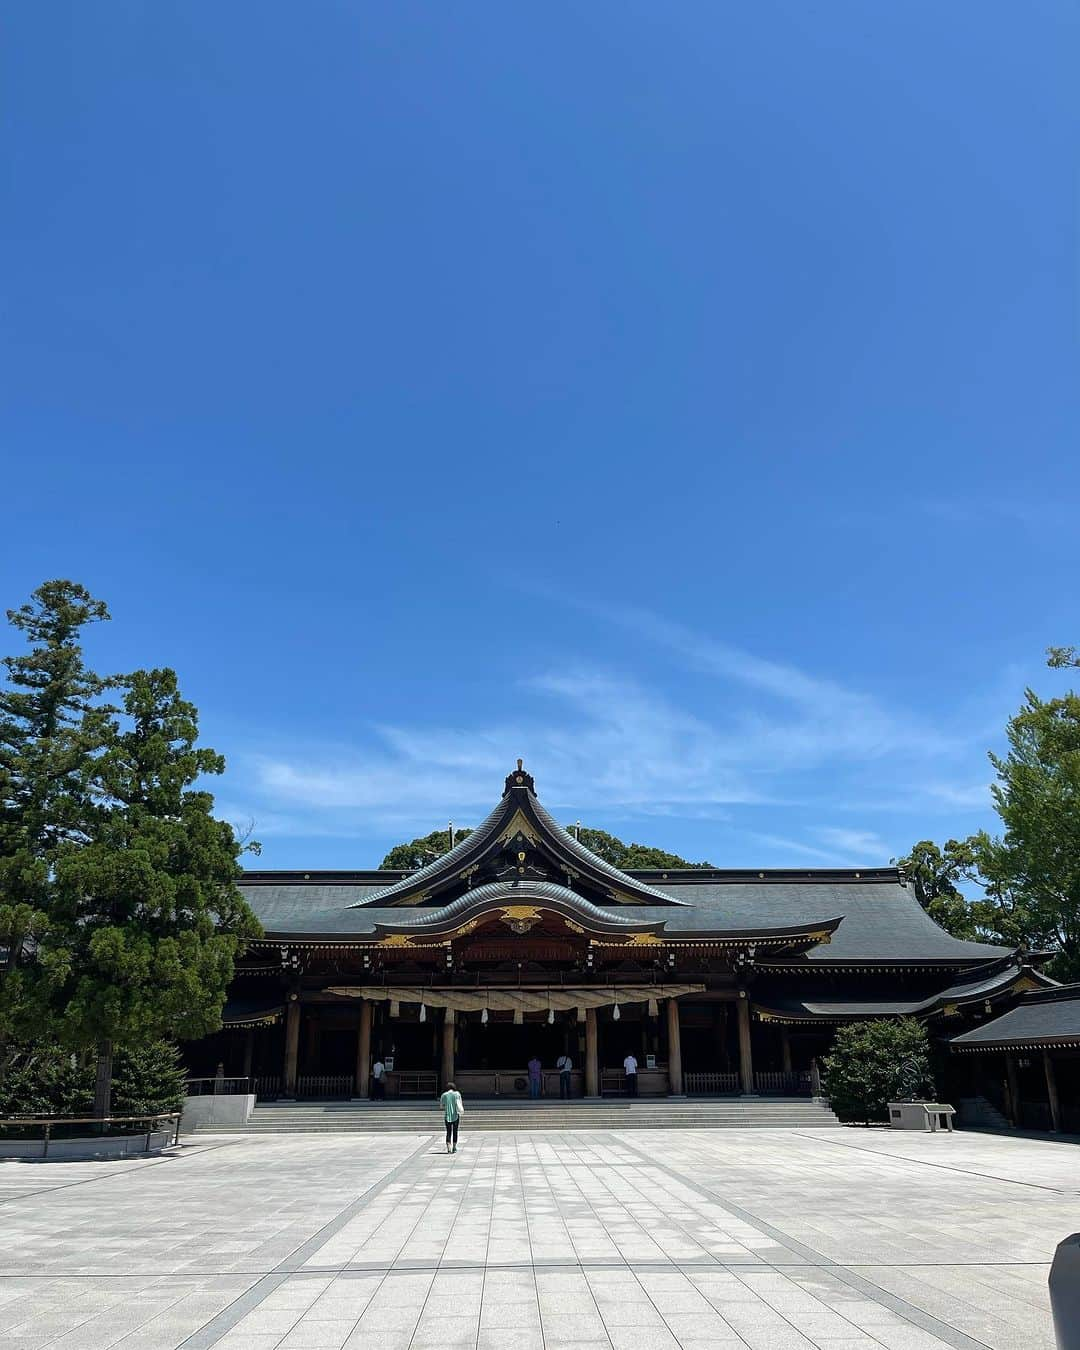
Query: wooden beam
(363,1049)
(448,1030)
(592,1057)
(675,1077)
(1014,1090)
(1051,1091)
(746,1053)
(292,1046)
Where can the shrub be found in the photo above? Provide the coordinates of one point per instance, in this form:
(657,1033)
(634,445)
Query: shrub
(44,1080)
(47,1080)
(149,1078)
(873,1063)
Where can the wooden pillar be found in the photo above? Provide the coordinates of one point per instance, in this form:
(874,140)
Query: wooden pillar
(448,1046)
(363,1049)
(720,1028)
(249,1056)
(746,1056)
(785,1049)
(1051,1091)
(675,1079)
(592,1058)
(1014,1089)
(292,1047)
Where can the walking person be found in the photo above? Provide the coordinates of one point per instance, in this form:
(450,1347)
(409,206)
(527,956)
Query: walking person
(565,1066)
(630,1069)
(378,1081)
(536,1069)
(453,1110)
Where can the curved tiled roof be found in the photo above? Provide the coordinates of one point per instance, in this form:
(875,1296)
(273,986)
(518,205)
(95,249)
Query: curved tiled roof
(446,866)
(442,865)
(593,860)
(997,981)
(882,921)
(501,892)
(1047,1016)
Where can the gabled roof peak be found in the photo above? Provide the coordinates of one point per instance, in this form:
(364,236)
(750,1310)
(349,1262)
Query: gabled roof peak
(518,840)
(519,779)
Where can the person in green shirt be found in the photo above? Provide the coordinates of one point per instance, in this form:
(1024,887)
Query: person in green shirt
(452,1110)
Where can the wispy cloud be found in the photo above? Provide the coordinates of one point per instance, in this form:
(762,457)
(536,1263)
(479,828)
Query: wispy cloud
(763,736)
(592,738)
(858,845)
(823,718)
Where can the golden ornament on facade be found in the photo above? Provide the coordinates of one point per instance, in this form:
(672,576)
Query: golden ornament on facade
(520,918)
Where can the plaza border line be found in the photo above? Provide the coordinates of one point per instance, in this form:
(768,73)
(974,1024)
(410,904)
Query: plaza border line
(908,1311)
(952,1167)
(223,1322)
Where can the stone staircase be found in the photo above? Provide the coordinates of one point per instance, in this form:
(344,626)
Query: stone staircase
(980,1114)
(421,1117)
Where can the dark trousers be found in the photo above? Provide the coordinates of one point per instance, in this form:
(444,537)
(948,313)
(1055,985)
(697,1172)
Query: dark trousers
(378,1090)
(451,1132)
(564,1085)
(631,1084)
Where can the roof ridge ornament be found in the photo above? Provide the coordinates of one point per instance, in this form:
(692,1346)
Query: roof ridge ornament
(519,779)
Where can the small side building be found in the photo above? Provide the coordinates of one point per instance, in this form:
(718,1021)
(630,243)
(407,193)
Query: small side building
(1027,1061)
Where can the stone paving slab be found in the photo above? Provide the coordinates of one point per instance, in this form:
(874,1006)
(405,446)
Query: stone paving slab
(813,1240)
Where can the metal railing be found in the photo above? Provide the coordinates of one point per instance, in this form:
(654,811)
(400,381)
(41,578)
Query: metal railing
(711,1084)
(417,1084)
(267,1086)
(49,1123)
(325,1085)
(783,1084)
(206,1087)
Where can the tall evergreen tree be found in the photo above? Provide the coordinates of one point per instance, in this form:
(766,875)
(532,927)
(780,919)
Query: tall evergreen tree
(53,726)
(147,919)
(1032,871)
(934,873)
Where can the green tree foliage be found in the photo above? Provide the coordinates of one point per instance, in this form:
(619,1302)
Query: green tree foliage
(148,1077)
(419,852)
(933,873)
(119,913)
(146,919)
(48,1079)
(1030,873)
(629,856)
(53,726)
(873,1063)
(1032,870)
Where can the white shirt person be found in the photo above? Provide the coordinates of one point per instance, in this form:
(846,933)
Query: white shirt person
(630,1069)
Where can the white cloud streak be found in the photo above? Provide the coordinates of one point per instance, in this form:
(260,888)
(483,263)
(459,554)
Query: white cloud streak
(601,742)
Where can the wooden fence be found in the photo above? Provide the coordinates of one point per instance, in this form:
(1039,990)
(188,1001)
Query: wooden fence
(711,1084)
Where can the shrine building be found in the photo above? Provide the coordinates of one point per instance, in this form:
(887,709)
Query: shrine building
(520,942)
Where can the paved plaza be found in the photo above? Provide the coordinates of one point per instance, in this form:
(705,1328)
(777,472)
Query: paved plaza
(649,1240)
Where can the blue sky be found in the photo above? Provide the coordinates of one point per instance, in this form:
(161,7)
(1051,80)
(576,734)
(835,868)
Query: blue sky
(682,397)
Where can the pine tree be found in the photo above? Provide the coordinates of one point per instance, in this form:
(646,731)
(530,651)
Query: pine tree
(147,918)
(53,726)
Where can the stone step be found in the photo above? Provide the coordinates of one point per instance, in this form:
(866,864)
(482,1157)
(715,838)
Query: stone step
(422,1117)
